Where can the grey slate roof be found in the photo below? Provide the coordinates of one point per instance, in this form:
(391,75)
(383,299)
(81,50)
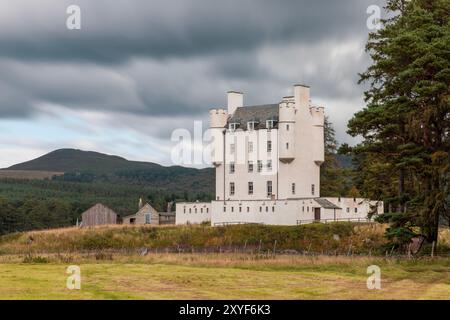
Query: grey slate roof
(324,203)
(259,114)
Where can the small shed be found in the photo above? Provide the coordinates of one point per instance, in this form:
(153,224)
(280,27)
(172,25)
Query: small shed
(146,215)
(97,215)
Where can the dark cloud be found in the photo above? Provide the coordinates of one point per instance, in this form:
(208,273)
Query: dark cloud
(115,31)
(176,59)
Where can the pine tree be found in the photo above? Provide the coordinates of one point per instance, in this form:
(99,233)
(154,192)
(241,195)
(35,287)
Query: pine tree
(404,156)
(332,175)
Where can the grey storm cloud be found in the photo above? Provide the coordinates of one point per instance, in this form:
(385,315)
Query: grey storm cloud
(176,58)
(115,31)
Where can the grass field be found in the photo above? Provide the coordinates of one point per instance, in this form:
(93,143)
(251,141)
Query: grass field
(317,261)
(229,276)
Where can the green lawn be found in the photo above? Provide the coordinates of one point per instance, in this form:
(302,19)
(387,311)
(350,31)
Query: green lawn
(187,278)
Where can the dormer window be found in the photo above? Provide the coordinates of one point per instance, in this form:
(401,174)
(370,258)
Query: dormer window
(270,124)
(251,125)
(233,126)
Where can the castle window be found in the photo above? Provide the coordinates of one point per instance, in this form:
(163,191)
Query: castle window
(250,146)
(207,210)
(250,188)
(259,165)
(232,209)
(233,126)
(269,146)
(287,127)
(201,210)
(287,145)
(293,188)
(184,210)
(260,209)
(269,188)
(232,188)
(251,125)
(348,210)
(224,209)
(232,167)
(240,209)
(195,210)
(232,148)
(307,209)
(267,209)
(248,209)
(313,187)
(250,166)
(269,165)
(270,124)
(190,210)
(356,210)
(303,209)
(273,209)
(339,199)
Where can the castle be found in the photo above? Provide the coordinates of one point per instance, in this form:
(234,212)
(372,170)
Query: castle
(267,160)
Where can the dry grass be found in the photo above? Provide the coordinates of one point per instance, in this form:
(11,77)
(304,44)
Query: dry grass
(319,238)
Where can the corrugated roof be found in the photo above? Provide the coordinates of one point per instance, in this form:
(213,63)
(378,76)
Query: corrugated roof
(324,203)
(259,114)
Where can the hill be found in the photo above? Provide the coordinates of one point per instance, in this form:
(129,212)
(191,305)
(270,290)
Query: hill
(344,161)
(32,197)
(73,160)
(89,166)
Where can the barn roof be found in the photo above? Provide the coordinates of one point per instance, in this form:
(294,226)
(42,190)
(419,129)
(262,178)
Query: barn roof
(99,205)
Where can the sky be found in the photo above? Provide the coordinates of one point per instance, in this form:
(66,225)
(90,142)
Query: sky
(139,69)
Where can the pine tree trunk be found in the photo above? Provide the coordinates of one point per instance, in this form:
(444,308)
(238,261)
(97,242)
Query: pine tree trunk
(401,190)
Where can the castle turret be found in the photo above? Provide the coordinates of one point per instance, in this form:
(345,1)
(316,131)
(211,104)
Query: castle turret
(286,129)
(218,120)
(302,98)
(318,118)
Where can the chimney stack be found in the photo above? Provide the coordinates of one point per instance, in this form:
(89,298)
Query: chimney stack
(302,96)
(235,100)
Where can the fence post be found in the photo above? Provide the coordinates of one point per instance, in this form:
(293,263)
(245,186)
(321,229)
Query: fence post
(409,251)
(274,248)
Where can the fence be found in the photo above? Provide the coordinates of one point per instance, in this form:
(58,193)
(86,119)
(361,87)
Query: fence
(366,220)
(233,223)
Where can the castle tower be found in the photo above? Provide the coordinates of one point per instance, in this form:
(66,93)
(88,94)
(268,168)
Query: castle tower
(217,122)
(318,118)
(286,129)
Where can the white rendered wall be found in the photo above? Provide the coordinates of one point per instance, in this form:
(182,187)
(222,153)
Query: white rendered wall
(192,212)
(240,157)
(361,205)
(280,212)
(303,171)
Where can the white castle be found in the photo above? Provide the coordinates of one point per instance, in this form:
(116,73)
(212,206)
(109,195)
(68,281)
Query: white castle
(267,161)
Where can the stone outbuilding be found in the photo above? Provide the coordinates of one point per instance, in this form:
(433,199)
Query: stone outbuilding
(146,215)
